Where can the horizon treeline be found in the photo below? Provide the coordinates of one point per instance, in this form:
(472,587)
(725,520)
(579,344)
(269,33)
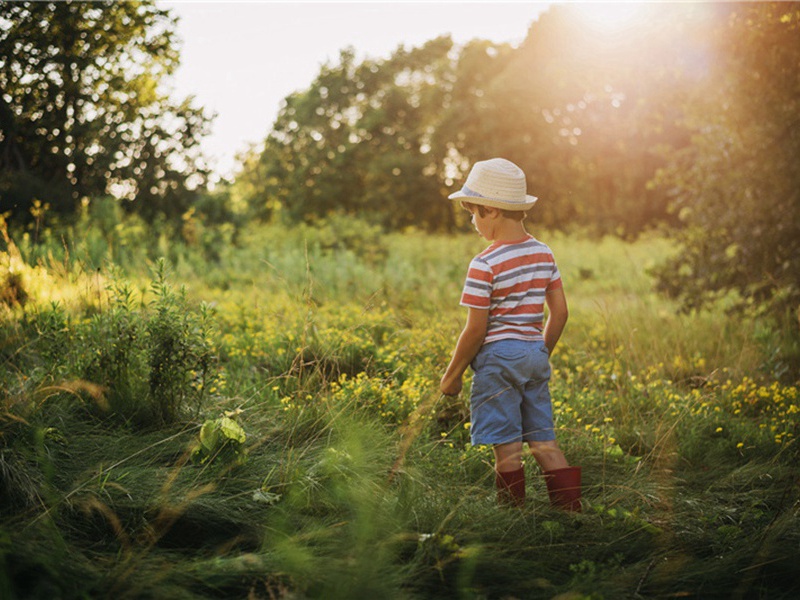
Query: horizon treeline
(686,120)
(591,115)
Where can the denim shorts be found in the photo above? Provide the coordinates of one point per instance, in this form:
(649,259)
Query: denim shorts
(510,399)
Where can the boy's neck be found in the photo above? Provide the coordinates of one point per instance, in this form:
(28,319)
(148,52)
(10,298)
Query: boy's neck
(508,230)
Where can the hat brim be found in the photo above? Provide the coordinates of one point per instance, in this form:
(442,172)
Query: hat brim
(502,204)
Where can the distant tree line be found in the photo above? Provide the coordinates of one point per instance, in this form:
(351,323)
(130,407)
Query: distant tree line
(591,119)
(688,120)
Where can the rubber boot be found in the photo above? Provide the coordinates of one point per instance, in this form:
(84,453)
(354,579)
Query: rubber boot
(564,488)
(511,488)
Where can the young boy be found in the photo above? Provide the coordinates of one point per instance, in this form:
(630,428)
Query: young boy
(506,340)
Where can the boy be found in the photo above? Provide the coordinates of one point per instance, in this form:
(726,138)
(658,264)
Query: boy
(506,340)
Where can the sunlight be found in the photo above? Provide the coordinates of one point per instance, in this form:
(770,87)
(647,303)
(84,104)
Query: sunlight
(612,18)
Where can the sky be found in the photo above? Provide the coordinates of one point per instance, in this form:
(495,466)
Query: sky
(241,59)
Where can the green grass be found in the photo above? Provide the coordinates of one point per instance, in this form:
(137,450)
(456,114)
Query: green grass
(358,479)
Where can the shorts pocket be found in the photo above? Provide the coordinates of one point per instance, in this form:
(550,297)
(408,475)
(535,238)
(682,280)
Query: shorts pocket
(511,356)
(510,352)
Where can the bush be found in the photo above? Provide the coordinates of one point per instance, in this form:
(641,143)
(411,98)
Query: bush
(338,231)
(153,360)
(180,352)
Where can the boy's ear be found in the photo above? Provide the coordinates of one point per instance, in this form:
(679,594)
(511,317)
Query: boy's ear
(492,211)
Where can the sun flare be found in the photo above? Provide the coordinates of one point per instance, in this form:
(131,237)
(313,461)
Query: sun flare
(612,18)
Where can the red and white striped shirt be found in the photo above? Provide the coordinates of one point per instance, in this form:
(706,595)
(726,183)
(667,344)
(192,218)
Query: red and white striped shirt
(511,280)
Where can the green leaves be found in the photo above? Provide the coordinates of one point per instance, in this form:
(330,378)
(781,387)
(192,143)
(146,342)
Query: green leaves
(221,437)
(737,187)
(83,111)
(589,117)
(359,141)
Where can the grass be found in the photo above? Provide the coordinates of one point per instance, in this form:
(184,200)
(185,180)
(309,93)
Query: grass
(356,479)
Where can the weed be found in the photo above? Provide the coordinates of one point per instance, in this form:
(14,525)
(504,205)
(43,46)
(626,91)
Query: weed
(180,352)
(221,438)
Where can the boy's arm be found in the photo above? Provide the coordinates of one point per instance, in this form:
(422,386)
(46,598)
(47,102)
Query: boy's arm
(469,342)
(557,318)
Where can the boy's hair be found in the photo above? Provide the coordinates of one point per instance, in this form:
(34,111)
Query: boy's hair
(515,215)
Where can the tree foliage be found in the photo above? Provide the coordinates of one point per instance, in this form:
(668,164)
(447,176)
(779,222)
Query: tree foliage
(737,186)
(82,112)
(359,141)
(587,117)
(590,114)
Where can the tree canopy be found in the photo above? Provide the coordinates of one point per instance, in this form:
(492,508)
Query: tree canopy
(588,117)
(359,140)
(736,187)
(83,113)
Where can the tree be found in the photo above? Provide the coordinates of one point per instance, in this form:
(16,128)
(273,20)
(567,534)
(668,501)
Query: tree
(737,186)
(588,114)
(375,138)
(82,113)
(361,140)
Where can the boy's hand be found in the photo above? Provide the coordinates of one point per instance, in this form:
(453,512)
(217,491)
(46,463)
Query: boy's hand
(451,387)
(469,342)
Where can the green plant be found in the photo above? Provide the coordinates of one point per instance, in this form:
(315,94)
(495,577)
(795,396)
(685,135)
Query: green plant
(337,231)
(180,351)
(222,439)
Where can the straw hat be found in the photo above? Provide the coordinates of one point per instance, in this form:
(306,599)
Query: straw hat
(498,183)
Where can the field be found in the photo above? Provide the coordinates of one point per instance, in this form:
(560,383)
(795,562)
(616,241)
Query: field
(257,416)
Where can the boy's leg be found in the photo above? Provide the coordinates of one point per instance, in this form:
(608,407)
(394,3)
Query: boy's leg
(509,474)
(548,455)
(507,457)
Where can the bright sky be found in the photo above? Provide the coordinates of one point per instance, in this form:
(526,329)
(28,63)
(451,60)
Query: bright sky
(240,59)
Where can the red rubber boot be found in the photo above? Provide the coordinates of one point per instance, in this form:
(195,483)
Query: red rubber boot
(564,488)
(511,487)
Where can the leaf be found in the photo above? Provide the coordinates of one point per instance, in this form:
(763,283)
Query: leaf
(231,430)
(209,435)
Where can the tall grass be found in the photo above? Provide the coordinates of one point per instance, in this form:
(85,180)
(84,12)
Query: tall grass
(611,297)
(355,478)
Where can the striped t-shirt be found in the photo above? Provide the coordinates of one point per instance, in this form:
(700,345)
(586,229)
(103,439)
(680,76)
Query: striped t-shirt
(511,280)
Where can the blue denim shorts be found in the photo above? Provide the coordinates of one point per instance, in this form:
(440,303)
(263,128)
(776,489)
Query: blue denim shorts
(510,399)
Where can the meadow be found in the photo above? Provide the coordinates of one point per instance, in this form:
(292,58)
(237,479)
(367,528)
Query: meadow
(255,413)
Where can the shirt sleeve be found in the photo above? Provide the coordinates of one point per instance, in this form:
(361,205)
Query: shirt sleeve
(478,286)
(555,278)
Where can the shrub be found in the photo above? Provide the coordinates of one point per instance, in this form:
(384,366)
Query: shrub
(180,352)
(338,231)
(155,360)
